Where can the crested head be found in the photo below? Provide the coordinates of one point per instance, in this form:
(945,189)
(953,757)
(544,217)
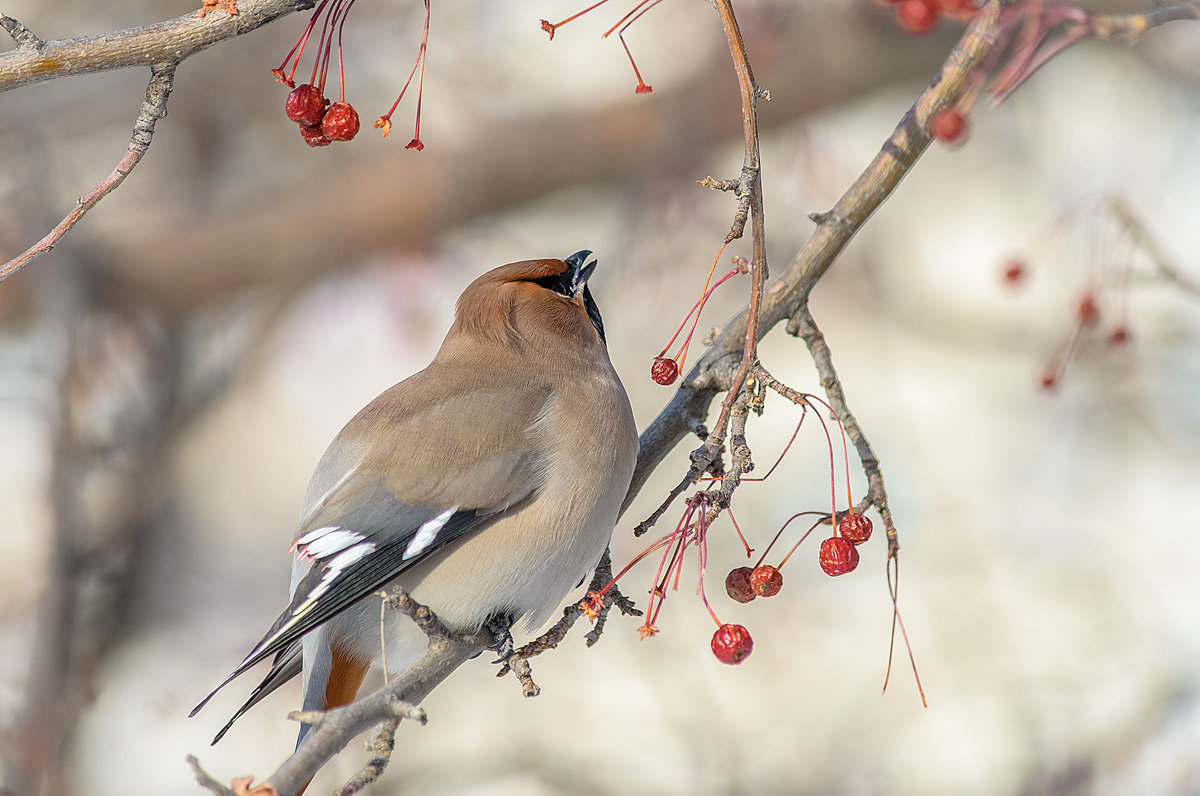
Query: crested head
(532,299)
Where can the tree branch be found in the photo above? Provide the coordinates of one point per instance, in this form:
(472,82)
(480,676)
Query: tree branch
(716,369)
(169,42)
(154,107)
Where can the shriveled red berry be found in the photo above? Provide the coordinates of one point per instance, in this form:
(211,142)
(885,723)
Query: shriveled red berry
(340,122)
(1119,336)
(414,144)
(917,16)
(732,644)
(664,371)
(1088,311)
(838,556)
(305,104)
(948,124)
(313,136)
(766,580)
(855,527)
(1014,270)
(737,585)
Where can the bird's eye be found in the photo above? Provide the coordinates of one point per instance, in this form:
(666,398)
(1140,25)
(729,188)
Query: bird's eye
(555,282)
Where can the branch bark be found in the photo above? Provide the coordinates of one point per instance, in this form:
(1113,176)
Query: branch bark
(36,60)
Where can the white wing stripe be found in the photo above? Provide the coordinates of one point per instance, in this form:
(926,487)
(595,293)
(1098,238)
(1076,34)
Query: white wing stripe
(427,533)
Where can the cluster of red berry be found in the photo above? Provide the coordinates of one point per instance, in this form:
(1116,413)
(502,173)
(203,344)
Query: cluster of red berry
(921,16)
(320,122)
(839,555)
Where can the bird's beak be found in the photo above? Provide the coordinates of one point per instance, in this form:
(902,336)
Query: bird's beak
(578,271)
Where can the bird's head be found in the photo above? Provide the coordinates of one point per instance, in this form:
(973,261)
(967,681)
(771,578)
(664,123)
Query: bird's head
(533,299)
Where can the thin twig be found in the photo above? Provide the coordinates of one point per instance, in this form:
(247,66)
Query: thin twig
(1142,237)
(22,35)
(750,201)
(154,107)
(601,579)
(381,749)
(803,325)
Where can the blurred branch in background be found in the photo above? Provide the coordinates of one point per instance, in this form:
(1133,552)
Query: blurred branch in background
(130,385)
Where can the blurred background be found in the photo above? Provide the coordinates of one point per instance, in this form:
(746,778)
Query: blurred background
(170,374)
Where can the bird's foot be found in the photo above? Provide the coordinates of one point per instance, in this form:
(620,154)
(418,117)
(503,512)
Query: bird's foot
(500,627)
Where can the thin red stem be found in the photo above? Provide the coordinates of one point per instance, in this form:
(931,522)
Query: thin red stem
(606,33)
(577,15)
(812,528)
(421,74)
(749,549)
(894,591)
(786,448)
(832,465)
(641,83)
(780,533)
(698,307)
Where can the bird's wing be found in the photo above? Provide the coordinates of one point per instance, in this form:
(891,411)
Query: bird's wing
(407,494)
(286,666)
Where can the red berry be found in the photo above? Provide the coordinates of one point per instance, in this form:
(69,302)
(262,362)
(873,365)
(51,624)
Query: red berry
(1119,336)
(766,580)
(855,527)
(737,585)
(732,644)
(664,371)
(917,16)
(947,124)
(1087,312)
(1014,270)
(313,136)
(305,105)
(340,122)
(838,556)
(415,144)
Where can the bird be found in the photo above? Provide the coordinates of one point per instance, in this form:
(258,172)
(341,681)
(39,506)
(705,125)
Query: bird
(486,486)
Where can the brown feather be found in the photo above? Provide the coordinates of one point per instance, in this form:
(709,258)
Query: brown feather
(345,678)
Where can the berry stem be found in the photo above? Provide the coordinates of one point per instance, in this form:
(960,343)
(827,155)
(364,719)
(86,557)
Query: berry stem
(341,69)
(421,74)
(780,533)
(749,550)
(696,307)
(845,451)
(298,49)
(811,528)
(832,464)
(632,11)
(894,591)
(706,292)
(786,448)
(550,28)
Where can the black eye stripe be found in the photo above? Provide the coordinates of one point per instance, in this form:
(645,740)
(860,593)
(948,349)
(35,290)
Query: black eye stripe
(553,282)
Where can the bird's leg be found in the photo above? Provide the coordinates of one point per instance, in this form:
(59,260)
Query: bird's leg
(500,626)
